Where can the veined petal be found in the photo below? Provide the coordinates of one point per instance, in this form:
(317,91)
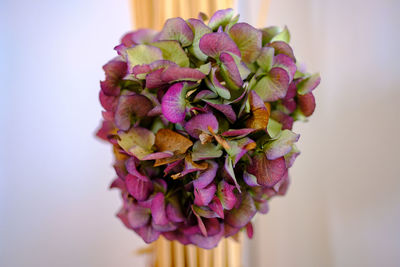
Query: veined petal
(248,40)
(158,209)
(172,51)
(173,74)
(268,172)
(265,58)
(199,124)
(173,103)
(281,146)
(142,54)
(226,195)
(281,47)
(129,106)
(239,217)
(199,29)
(168,140)
(213,44)
(205,151)
(203,196)
(308,84)
(220,18)
(139,187)
(273,86)
(138,216)
(137,141)
(285,62)
(177,29)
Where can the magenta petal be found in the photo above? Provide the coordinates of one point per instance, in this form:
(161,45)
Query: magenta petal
(158,209)
(220,18)
(249,230)
(285,62)
(199,124)
(138,216)
(173,74)
(231,68)
(213,44)
(284,119)
(238,132)
(226,195)
(158,155)
(174,212)
(242,215)
(200,222)
(141,36)
(170,226)
(109,103)
(138,187)
(281,47)
(202,197)
(173,103)
(118,183)
(115,70)
(217,207)
(131,105)
(177,29)
(148,234)
(226,109)
(207,242)
(207,176)
(268,172)
(250,179)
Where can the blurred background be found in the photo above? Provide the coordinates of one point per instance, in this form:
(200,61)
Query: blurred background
(343,206)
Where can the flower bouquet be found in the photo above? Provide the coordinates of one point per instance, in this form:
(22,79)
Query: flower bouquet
(200,118)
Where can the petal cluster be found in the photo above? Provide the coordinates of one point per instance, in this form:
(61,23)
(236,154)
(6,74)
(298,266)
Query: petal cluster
(200,117)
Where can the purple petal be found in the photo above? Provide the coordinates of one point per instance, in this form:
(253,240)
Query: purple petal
(207,176)
(273,86)
(138,216)
(140,36)
(220,18)
(292,90)
(153,79)
(216,86)
(217,207)
(230,230)
(248,40)
(115,70)
(173,74)
(170,226)
(148,234)
(202,197)
(118,183)
(200,223)
(281,146)
(268,172)
(238,132)
(281,47)
(284,119)
(109,103)
(213,44)
(139,187)
(230,70)
(205,212)
(250,179)
(204,94)
(200,123)
(131,106)
(199,29)
(173,103)
(158,209)
(306,103)
(174,212)
(207,242)
(249,230)
(226,195)
(242,215)
(158,155)
(285,62)
(177,29)
(289,104)
(308,84)
(227,110)
(291,157)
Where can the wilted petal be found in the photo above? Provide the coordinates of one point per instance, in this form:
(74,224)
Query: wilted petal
(226,195)
(281,146)
(158,155)
(139,187)
(199,29)
(268,172)
(308,84)
(137,141)
(239,217)
(306,103)
(248,40)
(174,74)
(138,216)
(177,29)
(259,113)
(220,18)
(148,234)
(173,103)
(142,54)
(273,86)
(131,106)
(199,124)
(141,36)
(213,44)
(207,176)
(172,51)
(168,140)
(203,196)
(205,151)
(158,209)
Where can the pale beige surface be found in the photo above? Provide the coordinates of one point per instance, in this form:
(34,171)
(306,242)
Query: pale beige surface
(343,206)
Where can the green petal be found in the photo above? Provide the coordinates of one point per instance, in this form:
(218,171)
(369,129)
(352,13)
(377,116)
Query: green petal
(137,141)
(282,36)
(172,51)
(142,54)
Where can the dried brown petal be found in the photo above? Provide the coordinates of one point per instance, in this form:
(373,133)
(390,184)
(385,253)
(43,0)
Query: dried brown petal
(168,140)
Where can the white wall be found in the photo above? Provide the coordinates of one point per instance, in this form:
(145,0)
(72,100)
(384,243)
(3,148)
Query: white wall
(55,210)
